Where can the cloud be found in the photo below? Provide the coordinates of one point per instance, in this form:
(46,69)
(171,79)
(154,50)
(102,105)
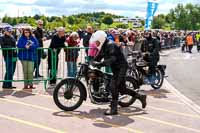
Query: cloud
(128,8)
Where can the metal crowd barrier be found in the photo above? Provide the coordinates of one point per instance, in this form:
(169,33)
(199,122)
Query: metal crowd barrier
(53,67)
(10,55)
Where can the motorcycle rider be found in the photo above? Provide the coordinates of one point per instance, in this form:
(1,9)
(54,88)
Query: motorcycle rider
(113,57)
(151,47)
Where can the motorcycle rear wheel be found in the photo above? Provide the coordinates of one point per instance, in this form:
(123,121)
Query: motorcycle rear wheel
(130,84)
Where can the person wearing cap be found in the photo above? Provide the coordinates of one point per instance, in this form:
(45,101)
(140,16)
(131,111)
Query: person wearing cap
(57,43)
(10,57)
(40,37)
(27,45)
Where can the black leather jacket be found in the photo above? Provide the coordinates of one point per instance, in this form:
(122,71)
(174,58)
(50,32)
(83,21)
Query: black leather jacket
(8,42)
(151,46)
(112,55)
(39,35)
(86,39)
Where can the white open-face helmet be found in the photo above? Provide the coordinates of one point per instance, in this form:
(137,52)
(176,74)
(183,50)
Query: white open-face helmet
(99,36)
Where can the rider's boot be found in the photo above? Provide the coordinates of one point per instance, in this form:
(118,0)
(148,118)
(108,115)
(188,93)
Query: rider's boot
(143,99)
(113,109)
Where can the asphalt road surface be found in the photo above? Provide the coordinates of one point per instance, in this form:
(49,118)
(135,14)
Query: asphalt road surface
(183,70)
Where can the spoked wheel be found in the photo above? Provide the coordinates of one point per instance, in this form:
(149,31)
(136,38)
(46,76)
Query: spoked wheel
(68,95)
(159,80)
(126,100)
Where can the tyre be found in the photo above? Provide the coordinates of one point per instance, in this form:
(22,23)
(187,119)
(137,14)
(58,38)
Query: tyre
(159,80)
(126,100)
(68,95)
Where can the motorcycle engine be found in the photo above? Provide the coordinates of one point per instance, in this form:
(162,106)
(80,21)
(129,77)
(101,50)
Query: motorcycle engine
(97,80)
(94,74)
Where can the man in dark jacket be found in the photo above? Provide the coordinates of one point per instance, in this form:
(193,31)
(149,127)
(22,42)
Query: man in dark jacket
(56,44)
(10,57)
(151,47)
(86,38)
(114,58)
(40,37)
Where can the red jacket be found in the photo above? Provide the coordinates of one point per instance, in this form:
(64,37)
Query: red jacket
(71,54)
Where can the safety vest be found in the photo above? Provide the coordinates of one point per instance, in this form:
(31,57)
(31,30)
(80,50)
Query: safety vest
(189,40)
(198,37)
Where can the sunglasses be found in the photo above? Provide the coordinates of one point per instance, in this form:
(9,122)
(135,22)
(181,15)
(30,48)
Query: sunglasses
(26,32)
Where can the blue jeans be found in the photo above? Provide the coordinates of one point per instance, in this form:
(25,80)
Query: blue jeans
(71,69)
(10,70)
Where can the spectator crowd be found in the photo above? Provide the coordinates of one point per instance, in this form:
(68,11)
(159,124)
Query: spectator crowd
(30,43)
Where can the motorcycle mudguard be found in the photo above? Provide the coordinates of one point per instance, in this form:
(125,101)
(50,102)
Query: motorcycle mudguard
(162,68)
(82,85)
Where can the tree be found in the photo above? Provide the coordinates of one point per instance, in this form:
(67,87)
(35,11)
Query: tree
(32,22)
(44,19)
(185,17)
(14,22)
(36,17)
(181,17)
(158,22)
(107,20)
(123,26)
(4,19)
(71,20)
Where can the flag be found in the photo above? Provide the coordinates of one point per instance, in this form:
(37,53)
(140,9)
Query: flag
(152,7)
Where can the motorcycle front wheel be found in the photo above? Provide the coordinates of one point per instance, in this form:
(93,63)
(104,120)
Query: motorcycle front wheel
(68,95)
(159,80)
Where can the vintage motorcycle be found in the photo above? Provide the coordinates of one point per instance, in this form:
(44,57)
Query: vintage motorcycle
(138,69)
(70,93)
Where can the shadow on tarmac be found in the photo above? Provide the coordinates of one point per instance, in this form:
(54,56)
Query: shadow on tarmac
(18,94)
(160,93)
(102,121)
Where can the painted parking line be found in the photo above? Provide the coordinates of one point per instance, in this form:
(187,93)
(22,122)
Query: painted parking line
(155,108)
(185,100)
(30,124)
(174,112)
(118,126)
(75,115)
(164,100)
(152,107)
(47,95)
(168,123)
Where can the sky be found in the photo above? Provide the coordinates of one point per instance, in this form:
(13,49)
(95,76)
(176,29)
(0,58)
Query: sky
(127,8)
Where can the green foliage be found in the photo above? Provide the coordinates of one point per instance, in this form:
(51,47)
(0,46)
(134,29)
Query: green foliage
(158,22)
(107,20)
(71,20)
(123,26)
(71,23)
(36,17)
(181,18)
